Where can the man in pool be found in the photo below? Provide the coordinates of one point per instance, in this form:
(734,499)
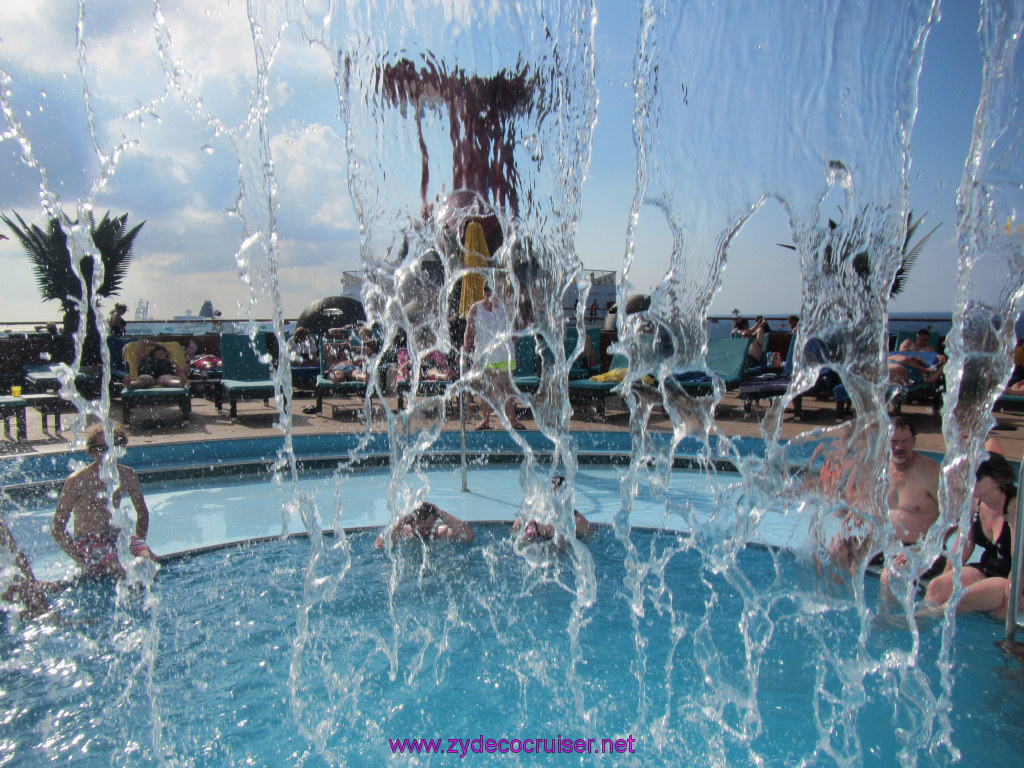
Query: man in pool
(428,521)
(913,494)
(84,498)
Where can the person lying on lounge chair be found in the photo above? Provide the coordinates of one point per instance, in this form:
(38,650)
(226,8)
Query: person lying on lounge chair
(155,369)
(908,369)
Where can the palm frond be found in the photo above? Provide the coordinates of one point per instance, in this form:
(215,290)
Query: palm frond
(48,253)
(115,248)
(909,257)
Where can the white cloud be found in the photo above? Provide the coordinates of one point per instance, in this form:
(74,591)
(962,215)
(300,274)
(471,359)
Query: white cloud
(31,35)
(311,174)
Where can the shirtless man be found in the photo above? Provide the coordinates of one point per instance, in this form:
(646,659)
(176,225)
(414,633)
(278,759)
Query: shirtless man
(913,492)
(922,342)
(428,521)
(84,497)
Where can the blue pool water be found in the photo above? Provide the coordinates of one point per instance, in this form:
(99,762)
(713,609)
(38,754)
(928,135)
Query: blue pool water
(266,655)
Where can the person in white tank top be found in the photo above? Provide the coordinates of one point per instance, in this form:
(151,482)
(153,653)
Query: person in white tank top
(488,336)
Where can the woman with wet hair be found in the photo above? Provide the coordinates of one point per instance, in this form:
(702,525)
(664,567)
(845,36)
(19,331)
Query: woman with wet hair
(987,581)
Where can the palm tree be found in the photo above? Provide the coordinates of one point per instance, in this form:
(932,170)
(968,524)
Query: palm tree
(908,255)
(51,260)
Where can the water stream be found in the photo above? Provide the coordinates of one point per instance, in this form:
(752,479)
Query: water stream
(462,118)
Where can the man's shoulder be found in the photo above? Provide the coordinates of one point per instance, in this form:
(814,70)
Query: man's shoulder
(125,471)
(926,465)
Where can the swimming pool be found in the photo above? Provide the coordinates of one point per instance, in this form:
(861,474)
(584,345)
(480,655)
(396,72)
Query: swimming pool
(289,653)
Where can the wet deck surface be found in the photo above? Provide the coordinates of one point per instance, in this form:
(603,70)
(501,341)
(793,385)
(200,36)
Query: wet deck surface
(151,425)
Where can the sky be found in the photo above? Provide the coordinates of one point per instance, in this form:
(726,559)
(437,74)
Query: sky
(166,156)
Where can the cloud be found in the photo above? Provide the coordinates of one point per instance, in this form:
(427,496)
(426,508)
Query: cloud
(311,171)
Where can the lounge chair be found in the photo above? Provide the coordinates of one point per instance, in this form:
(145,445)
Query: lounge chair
(132,398)
(1010,403)
(725,359)
(244,375)
(922,391)
(325,387)
(526,377)
(593,393)
(579,369)
(770,386)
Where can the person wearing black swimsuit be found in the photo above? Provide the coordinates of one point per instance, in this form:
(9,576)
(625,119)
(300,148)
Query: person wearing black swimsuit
(986,581)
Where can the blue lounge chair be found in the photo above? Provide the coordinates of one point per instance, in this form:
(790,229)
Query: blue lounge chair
(725,359)
(324,387)
(770,386)
(593,393)
(526,376)
(132,398)
(1010,403)
(244,377)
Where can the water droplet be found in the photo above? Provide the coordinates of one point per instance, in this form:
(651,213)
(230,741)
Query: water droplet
(207,149)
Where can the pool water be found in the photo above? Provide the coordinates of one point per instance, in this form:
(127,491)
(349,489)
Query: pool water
(282,654)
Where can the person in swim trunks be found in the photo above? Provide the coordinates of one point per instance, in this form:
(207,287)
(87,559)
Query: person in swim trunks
(84,499)
(913,497)
(986,581)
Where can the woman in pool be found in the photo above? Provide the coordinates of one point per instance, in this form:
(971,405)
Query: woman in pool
(535,530)
(986,581)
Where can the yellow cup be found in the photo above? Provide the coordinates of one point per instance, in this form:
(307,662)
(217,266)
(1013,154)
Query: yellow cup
(15,391)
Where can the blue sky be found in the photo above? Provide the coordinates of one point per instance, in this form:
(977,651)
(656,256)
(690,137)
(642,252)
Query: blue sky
(178,169)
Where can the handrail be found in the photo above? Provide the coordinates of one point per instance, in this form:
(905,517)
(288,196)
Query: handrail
(1011,603)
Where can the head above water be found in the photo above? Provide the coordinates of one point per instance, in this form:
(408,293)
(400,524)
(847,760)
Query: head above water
(96,441)
(902,440)
(999,470)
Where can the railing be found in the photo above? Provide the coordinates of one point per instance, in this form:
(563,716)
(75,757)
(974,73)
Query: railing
(1014,598)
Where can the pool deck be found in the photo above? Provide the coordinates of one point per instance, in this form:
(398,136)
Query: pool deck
(160,425)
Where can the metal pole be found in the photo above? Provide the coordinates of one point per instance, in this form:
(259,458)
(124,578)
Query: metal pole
(462,418)
(1011,603)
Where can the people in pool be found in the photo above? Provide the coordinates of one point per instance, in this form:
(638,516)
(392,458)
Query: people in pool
(913,496)
(535,530)
(83,500)
(426,522)
(986,581)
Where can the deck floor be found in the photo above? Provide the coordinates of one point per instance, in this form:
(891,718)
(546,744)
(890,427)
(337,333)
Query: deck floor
(160,424)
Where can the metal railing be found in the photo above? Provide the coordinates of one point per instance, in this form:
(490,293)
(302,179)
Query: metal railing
(1014,598)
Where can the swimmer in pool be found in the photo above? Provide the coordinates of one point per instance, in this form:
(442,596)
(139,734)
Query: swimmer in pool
(428,521)
(535,530)
(84,498)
